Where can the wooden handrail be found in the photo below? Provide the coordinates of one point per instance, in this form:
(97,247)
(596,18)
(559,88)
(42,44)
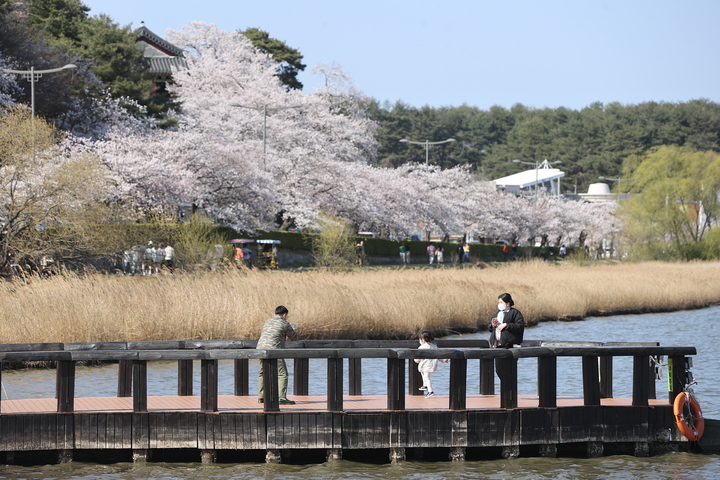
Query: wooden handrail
(596,366)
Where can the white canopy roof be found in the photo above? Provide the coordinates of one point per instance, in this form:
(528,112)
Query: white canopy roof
(529,178)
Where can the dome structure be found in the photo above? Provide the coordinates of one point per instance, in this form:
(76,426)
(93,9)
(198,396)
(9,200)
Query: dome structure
(599,189)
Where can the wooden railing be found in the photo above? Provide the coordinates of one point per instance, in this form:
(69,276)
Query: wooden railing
(597,361)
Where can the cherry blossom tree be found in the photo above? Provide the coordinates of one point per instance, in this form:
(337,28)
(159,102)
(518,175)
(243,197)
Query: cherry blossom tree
(246,149)
(8,85)
(242,164)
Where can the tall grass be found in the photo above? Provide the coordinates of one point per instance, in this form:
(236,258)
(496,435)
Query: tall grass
(380,303)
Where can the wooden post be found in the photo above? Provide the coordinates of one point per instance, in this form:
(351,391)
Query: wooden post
(641,377)
(591,382)
(355,376)
(301,376)
(209,385)
(139,376)
(676,376)
(458,384)
(487,376)
(185,378)
(270,385)
(415,379)
(547,382)
(396,384)
(65,386)
(606,374)
(242,377)
(507,368)
(335,384)
(125,378)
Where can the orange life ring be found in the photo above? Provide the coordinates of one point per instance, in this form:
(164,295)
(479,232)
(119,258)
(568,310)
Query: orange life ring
(692,426)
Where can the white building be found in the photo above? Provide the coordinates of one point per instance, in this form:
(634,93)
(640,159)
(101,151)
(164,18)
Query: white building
(541,177)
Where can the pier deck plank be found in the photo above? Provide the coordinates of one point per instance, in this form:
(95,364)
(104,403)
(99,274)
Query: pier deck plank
(311,403)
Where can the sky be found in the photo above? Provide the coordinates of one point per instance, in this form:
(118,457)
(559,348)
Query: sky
(446,53)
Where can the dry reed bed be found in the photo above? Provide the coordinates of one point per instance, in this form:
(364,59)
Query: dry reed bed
(379,303)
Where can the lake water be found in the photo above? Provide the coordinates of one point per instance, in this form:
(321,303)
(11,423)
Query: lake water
(689,328)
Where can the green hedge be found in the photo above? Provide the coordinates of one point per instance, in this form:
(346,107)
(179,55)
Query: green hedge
(387,248)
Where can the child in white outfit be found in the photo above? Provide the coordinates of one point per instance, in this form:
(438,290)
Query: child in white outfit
(427,365)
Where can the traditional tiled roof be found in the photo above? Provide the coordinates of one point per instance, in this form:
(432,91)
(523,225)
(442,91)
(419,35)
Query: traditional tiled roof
(144,34)
(163,55)
(165,65)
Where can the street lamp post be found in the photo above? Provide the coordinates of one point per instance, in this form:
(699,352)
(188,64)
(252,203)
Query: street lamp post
(265,109)
(33,76)
(427,144)
(537,166)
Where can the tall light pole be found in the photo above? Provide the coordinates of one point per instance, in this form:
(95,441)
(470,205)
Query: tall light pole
(427,144)
(544,164)
(265,109)
(33,76)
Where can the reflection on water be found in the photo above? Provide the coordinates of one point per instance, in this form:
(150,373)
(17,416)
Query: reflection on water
(677,466)
(670,329)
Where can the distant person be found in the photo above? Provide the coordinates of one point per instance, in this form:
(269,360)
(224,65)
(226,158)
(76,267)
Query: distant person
(148,259)
(460,254)
(158,259)
(543,251)
(426,366)
(466,252)
(360,253)
(127,261)
(137,256)
(169,261)
(439,253)
(248,257)
(514,250)
(404,253)
(239,256)
(563,251)
(505,251)
(273,335)
(431,253)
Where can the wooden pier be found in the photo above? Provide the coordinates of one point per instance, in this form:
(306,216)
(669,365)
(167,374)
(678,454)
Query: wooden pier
(210,427)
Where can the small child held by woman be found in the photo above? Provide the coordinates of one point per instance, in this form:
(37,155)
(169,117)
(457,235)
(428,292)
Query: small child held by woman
(427,365)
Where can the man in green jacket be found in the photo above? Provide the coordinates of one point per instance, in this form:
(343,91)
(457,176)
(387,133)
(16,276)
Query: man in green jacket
(273,335)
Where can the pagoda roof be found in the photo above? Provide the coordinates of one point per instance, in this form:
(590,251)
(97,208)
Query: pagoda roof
(145,35)
(164,56)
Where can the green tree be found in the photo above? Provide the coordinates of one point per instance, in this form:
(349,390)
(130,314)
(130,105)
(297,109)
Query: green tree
(333,247)
(58,19)
(23,45)
(118,60)
(5,6)
(590,142)
(289,60)
(675,200)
